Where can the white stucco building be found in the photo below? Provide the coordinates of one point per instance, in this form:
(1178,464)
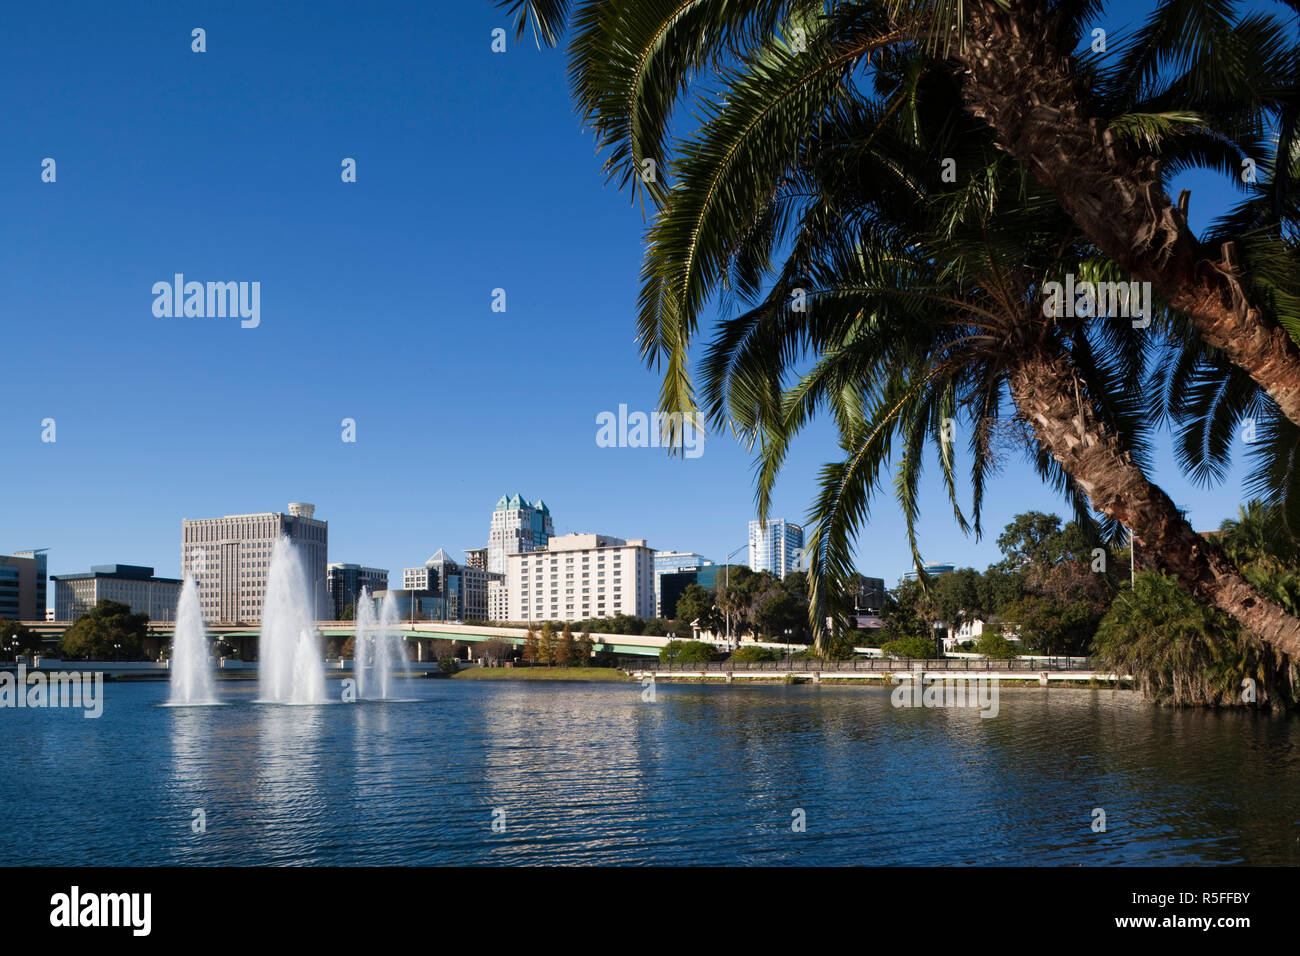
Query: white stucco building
(581,576)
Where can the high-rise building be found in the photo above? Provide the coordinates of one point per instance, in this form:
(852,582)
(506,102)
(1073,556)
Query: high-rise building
(229,558)
(673,562)
(777,548)
(517,527)
(581,576)
(463,588)
(476,558)
(23,585)
(346,582)
(130,584)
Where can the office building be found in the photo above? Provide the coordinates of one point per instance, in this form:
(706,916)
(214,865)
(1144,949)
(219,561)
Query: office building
(415,604)
(673,584)
(23,585)
(476,558)
(130,584)
(673,562)
(776,548)
(577,577)
(517,527)
(229,558)
(347,581)
(463,588)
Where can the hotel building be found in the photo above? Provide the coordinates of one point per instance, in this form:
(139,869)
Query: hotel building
(581,576)
(229,559)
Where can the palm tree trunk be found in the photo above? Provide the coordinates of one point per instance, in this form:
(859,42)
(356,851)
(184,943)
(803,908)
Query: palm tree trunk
(1024,88)
(1051,398)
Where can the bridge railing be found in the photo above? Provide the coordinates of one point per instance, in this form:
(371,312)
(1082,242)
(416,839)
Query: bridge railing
(877,665)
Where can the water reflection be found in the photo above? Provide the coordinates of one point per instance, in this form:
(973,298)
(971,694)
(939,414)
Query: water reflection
(591,773)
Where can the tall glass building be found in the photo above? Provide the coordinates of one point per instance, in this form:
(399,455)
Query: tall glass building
(778,548)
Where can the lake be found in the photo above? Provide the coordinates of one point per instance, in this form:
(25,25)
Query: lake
(589,773)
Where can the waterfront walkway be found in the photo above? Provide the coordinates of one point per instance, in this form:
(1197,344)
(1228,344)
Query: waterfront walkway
(1044,670)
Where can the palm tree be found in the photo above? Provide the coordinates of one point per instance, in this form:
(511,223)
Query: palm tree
(1185,653)
(1214,74)
(912,317)
(1090,126)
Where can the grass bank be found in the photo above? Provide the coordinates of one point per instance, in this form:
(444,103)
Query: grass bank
(541,673)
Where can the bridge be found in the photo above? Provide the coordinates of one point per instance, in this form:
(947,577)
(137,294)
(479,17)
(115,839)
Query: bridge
(419,634)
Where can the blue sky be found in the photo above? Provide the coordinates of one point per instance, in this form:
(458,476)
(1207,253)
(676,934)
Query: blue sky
(473,174)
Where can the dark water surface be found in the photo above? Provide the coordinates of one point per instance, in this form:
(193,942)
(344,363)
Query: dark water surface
(591,774)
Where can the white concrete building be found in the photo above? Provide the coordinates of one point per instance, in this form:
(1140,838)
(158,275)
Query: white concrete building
(229,558)
(581,576)
(498,601)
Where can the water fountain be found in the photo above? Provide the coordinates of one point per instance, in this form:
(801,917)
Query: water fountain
(377,647)
(191,671)
(290,670)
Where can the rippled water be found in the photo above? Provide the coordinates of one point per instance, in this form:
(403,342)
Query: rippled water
(589,773)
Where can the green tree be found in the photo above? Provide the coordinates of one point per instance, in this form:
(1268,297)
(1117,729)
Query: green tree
(750,653)
(1183,653)
(994,644)
(566,650)
(16,638)
(109,631)
(686,652)
(546,645)
(585,651)
(532,647)
(697,604)
(910,647)
(349,613)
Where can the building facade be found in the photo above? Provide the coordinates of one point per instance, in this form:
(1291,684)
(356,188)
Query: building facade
(463,587)
(776,548)
(673,584)
(673,562)
(346,582)
(518,526)
(23,585)
(932,569)
(130,584)
(415,604)
(581,576)
(498,600)
(229,558)
(476,558)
